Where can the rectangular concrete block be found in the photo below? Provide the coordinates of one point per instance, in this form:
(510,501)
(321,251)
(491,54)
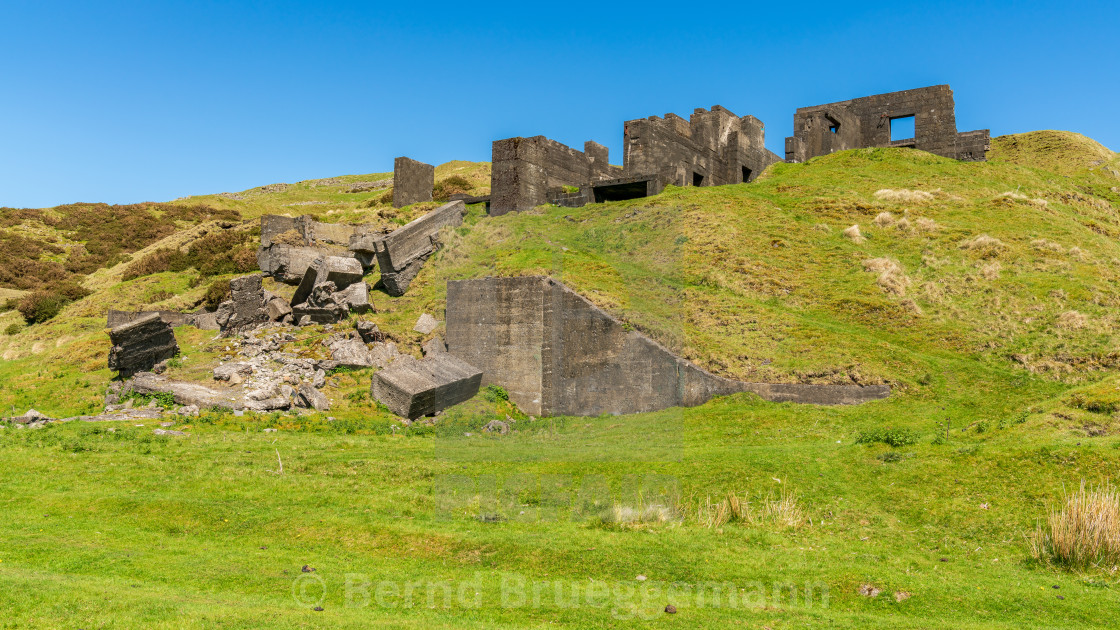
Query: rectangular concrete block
(343,272)
(140,344)
(403,252)
(412,182)
(411,388)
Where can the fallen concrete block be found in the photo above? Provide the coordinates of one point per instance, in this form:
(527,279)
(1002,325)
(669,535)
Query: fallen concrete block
(355,298)
(307,315)
(403,252)
(351,353)
(278,309)
(425,324)
(411,388)
(141,344)
(313,398)
(183,393)
(434,345)
(343,272)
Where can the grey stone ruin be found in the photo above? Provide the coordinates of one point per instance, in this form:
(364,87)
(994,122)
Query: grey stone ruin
(140,344)
(289,245)
(401,254)
(867,122)
(246,309)
(711,148)
(412,388)
(558,354)
(412,182)
(331,288)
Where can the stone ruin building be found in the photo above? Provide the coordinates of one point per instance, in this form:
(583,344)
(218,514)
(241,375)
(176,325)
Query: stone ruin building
(712,148)
(923,119)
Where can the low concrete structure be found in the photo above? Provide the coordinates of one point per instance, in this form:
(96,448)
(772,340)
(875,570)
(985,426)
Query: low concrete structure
(873,121)
(411,388)
(558,354)
(202,319)
(141,344)
(400,255)
(412,182)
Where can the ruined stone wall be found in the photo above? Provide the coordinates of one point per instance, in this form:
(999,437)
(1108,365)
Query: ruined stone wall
(528,172)
(866,122)
(716,145)
(290,244)
(412,182)
(558,354)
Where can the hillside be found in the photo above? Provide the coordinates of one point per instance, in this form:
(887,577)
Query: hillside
(985,294)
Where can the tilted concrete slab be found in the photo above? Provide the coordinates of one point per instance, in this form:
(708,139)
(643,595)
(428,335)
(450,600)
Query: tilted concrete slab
(402,253)
(140,344)
(411,388)
(558,354)
(343,272)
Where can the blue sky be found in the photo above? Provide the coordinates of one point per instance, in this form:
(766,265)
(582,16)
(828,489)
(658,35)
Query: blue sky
(148,101)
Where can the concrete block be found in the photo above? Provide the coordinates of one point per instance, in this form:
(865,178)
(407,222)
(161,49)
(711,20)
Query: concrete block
(403,252)
(140,344)
(341,271)
(411,388)
(412,182)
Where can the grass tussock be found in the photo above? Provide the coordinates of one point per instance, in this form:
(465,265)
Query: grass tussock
(892,278)
(884,219)
(903,195)
(1071,320)
(1084,533)
(853,234)
(624,515)
(990,270)
(925,225)
(983,245)
(1038,203)
(782,511)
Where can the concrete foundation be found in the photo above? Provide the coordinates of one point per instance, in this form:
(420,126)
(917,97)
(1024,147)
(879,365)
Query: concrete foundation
(558,354)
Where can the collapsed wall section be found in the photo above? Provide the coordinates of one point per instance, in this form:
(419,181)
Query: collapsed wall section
(289,245)
(868,122)
(558,354)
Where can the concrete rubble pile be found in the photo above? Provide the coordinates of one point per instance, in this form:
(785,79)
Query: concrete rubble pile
(331,288)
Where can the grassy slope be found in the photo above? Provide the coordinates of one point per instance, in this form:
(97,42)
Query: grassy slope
(128,530)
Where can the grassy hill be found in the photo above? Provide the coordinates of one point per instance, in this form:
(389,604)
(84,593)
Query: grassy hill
(984,293)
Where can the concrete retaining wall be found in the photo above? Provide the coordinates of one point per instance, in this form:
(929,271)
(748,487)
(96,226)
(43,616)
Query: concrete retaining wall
(558,354)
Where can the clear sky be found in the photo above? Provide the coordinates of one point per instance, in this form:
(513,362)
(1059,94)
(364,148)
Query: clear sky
(148,101)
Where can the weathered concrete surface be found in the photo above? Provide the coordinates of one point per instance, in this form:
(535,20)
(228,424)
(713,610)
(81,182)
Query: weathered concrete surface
(343,272)
(290,244)
(140,344)
(528,172)
(201,319)
(186,393)
(403,252)
(558,354)
(247,308)
(866,122)
(411,388)
(412,182)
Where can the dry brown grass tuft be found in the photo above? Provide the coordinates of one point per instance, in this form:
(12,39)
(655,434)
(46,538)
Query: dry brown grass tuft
(984,245)
(884,219)
(622,515)
(854,234)
(784,511)
(1038,203)
(1071,320)
(903,195)
(1044,245)
(990,270)
(903,224)
(1078,254)
(926,225)
(1084,533)
(892,278)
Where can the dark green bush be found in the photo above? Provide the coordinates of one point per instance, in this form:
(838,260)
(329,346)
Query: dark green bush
(40,306)
(215,254)
(495,393)
(13,329)
(216,293)
(891,437)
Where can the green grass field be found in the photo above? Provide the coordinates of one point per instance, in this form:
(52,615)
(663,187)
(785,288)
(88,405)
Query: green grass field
(1001,353)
